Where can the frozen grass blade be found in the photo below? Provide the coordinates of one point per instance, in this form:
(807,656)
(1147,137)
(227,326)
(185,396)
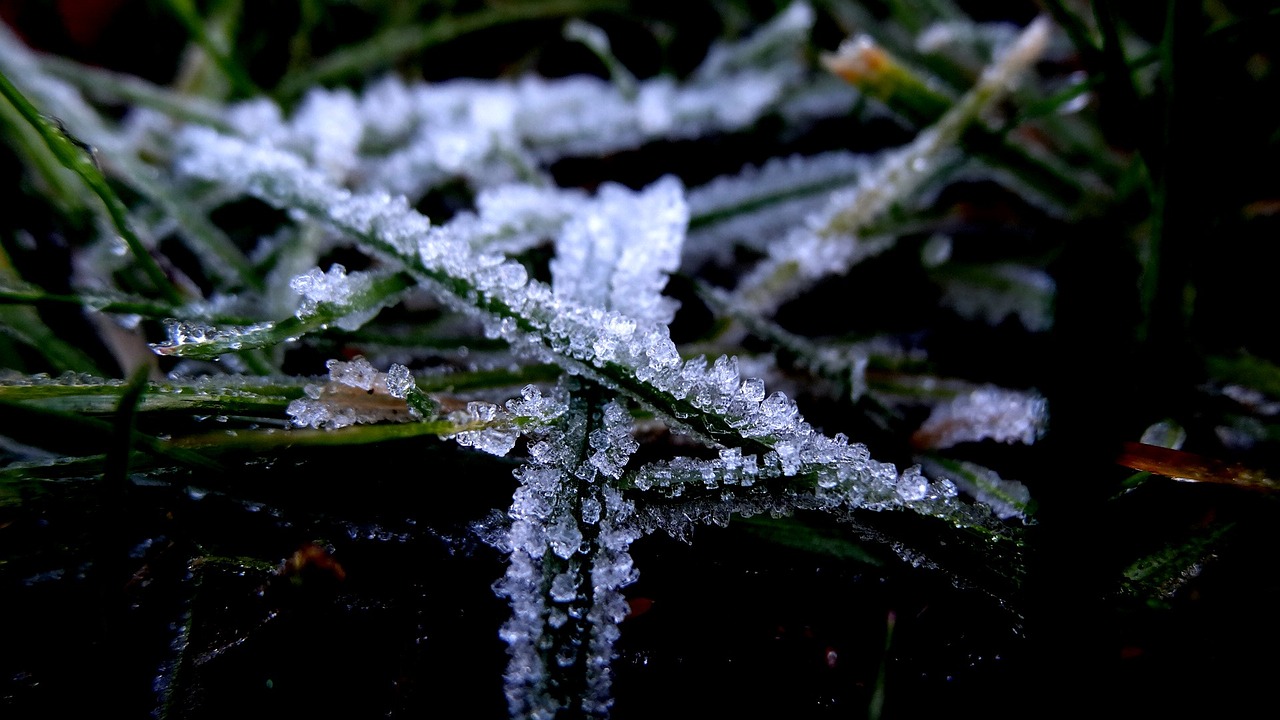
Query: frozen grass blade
(835,240)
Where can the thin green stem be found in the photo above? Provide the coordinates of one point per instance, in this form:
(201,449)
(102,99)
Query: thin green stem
(394,43)
(186,14)
(77,159)
(25,325)
(208,342)
(113,87)
(119,304)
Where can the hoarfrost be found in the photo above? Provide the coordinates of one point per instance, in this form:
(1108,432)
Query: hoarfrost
(399,381)
(1006,498)
(617,252)
(582,560)
(337,289)
(759,204)
(985,413)
(358,373)
(1002,291)
(833,240)
(355,393)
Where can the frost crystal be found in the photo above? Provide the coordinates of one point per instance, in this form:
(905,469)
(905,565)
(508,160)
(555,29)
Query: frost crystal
(357,374)
(355,393)
(1003,291)
(316,286)
(985,413)
(399,381)
(616,253)
(581,560)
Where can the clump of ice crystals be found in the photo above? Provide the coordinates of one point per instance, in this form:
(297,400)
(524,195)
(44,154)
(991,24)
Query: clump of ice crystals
(502,425)
(335,288)
(355,393)
(399,381)
(616,252)
(1006,498)
(358,373)
(985,413)
(570,534)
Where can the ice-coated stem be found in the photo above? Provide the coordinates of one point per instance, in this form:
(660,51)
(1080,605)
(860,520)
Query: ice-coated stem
(635,357)
(569,538)
(838,242)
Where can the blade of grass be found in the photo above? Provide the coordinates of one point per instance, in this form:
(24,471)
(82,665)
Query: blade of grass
(116,468)
(273,439)
(793,533)
(57,184)
(877,73)
(394,43)
(121,304)
(75,158)
(186,13)
(213,342)
(24,324)
(1248,370)
(76,435)
(216,251)
(113,87)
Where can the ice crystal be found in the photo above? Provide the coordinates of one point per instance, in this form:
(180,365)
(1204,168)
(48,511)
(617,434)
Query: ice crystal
(1006,498)
(985,413)
(580,557)
(337,289)
(1003,291)
(355,393)
(616,253)
(399,381)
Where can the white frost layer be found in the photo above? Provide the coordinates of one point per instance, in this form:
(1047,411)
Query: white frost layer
(616,252)
(1006,498)
(568,565)
(408,138)
(759,204)
(985,413)
(833,241)
(1005,290)
(631,355)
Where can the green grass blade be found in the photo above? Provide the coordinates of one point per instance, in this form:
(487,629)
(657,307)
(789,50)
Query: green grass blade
(384,49)
(75,158)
